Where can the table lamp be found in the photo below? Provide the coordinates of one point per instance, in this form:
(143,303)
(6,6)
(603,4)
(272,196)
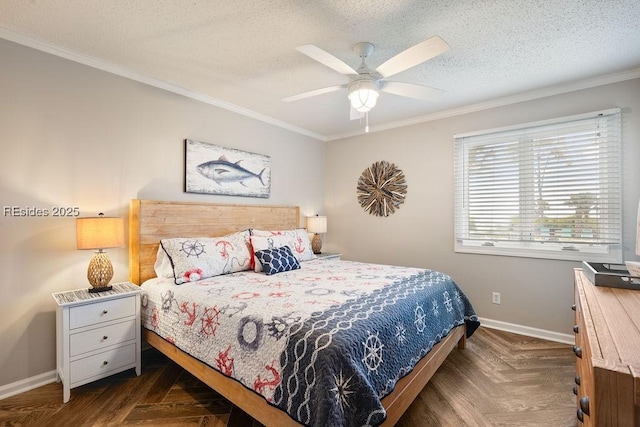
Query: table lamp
(99,233)
(316,224)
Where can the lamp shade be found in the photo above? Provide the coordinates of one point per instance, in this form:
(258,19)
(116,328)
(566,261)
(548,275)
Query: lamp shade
(317,224)
(99,232)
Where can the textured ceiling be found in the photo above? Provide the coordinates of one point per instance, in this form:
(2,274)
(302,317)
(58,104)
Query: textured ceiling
(242,54)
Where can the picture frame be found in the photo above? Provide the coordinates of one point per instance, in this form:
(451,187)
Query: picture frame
(214,169)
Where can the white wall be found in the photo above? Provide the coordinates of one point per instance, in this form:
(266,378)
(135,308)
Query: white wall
(535,293)
(75,136)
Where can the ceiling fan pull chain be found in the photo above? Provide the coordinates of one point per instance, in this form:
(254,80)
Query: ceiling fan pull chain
(366,126)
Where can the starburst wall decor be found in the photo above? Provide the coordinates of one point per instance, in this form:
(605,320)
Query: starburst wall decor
(381,188)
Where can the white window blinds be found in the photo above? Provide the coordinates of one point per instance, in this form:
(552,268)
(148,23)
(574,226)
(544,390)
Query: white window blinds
(548,189)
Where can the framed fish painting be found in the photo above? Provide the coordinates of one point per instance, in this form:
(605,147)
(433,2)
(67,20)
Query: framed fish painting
(212,169)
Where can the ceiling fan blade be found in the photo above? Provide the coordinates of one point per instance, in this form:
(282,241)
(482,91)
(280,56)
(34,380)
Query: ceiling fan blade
(355,114)
(409,90)
(311,93)
(326,59)
(413,56)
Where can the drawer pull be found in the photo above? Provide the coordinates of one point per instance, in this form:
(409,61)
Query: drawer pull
(584,405)
(578,351)
(105,363)
(580,415)
(576,328)
(105,311)
(573,307)
(575,390)
(577,379)
(104,338)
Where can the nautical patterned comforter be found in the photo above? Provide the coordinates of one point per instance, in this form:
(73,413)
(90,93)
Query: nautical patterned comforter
(324,343)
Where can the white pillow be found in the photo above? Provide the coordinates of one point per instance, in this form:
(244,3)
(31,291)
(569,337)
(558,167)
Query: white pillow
(163,267)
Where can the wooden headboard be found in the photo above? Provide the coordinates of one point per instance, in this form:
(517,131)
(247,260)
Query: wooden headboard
(150,221)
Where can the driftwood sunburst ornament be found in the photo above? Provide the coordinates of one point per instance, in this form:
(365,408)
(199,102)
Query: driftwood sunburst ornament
(381,188)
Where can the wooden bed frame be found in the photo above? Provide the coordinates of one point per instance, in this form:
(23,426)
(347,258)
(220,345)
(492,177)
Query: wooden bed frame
(149,221)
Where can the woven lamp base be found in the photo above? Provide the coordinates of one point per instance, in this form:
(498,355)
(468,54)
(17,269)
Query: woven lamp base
(316,244)
(101,289)
(100,272)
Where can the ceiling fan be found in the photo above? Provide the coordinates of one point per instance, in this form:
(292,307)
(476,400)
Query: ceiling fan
(365,84)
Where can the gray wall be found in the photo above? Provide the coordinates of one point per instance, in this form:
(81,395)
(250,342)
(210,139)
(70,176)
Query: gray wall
(535,293)
(75,136)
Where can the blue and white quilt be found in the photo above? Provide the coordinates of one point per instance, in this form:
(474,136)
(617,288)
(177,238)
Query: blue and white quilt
(324,343)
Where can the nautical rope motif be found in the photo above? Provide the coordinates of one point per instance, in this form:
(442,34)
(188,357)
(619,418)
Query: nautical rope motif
(355,331)
(325,342)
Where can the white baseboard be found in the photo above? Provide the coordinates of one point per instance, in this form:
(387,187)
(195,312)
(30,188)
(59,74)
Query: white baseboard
(50,377)
(528,331)
(27,384)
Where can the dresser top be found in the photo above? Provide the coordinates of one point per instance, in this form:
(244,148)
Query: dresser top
(614,318)
(83,295)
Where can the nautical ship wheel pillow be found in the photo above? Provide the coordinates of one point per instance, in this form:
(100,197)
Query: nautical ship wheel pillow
(381,188)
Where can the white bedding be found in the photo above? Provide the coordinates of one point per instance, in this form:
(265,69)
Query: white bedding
(239,323)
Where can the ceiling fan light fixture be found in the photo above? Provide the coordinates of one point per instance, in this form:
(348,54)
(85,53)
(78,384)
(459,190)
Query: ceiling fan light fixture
(363,95)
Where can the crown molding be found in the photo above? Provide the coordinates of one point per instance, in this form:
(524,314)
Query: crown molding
(112,68)
(501,102)
(170,87)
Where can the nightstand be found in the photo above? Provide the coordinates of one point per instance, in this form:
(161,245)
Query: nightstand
(97,334)
(328,255)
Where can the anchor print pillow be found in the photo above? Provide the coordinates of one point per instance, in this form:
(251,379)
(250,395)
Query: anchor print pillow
(297,240)
(195,258)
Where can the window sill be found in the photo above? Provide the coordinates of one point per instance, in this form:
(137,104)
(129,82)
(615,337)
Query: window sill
(613,254)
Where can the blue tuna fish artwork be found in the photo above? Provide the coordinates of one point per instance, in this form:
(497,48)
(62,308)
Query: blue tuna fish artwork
(214,169)
(222,171)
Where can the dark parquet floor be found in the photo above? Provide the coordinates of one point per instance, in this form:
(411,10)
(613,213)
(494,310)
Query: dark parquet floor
(500,379)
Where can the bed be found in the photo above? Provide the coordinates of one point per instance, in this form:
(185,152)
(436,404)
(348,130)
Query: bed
(296,356)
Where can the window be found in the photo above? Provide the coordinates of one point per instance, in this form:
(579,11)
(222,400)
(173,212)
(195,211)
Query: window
(548,189)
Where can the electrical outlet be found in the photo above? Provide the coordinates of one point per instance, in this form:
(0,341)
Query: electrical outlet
(495,297)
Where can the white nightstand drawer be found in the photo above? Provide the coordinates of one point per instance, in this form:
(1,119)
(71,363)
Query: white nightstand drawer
(90,314)
(96,339)
(103,363)
(98,334)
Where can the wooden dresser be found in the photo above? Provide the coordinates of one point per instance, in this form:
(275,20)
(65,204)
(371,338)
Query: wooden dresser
(607,354)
